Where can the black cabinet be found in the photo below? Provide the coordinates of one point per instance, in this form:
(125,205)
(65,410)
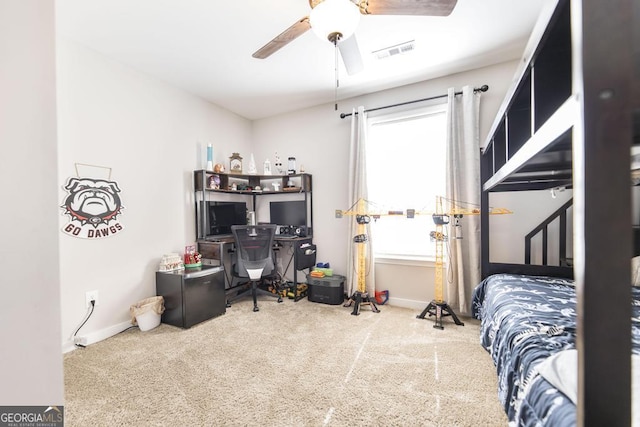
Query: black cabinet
(191,296)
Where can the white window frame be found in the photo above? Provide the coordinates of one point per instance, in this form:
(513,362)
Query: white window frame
(394,257)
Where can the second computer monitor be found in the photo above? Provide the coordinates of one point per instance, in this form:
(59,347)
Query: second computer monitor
(292,212)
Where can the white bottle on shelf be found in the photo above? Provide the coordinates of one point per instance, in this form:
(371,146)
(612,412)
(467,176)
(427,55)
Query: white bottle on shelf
(210,157)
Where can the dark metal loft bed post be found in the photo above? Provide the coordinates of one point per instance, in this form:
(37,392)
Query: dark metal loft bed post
(485,173)
(602,77)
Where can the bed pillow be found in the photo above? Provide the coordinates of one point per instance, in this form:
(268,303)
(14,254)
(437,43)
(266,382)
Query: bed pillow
(561,370)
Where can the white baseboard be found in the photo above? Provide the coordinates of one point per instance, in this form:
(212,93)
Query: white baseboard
(94,337)
(408,303)
(105,333)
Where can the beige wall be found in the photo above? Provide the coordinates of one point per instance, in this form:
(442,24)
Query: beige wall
(151,136)
(30,357)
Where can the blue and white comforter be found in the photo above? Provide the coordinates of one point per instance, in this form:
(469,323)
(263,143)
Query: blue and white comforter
(526,319)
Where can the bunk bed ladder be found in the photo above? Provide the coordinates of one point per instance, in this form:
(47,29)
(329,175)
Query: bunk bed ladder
(543,227)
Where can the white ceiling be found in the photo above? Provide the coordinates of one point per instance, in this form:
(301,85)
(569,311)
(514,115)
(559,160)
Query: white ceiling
(205,46)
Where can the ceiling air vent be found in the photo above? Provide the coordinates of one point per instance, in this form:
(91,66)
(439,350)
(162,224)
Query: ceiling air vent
(396,49)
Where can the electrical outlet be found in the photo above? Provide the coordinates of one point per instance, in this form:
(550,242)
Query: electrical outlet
(91,296)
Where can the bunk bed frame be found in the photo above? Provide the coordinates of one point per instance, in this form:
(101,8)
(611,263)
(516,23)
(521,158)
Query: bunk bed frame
(568,120)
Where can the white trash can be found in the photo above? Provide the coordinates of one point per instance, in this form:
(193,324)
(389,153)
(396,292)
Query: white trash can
(147,313)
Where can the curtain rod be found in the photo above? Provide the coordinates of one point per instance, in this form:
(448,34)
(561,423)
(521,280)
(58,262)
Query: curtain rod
(482,88)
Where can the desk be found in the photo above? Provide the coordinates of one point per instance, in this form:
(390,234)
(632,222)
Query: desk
(217,252)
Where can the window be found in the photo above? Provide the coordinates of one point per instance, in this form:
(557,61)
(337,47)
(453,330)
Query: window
(406,155)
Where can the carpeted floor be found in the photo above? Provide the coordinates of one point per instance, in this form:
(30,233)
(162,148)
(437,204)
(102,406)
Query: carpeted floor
(290,364)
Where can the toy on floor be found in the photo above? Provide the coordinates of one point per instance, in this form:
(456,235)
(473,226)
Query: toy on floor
(382,297)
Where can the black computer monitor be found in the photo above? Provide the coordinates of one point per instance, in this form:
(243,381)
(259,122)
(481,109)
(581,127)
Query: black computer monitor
(222,215)
(292,212)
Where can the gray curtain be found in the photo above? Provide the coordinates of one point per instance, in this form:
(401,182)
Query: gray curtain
(358,191)
(463,187)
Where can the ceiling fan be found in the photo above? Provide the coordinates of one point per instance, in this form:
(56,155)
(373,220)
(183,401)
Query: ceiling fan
(336,20)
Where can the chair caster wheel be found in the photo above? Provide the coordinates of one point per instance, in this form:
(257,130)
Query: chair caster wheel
(255,308)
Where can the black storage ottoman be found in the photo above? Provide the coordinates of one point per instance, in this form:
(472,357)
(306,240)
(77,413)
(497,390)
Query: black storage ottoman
(327,290)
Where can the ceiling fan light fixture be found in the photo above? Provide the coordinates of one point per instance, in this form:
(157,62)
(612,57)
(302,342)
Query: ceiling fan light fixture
(334,18)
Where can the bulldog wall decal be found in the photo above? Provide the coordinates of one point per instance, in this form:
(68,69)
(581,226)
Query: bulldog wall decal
(93,206)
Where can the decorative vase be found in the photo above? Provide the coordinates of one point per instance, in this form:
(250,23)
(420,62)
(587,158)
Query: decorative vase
(252,165)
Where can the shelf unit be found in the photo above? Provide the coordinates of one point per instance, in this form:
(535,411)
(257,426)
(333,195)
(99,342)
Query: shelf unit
(529,144)
(208,183)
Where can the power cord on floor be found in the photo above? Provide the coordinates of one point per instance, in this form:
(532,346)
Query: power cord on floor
(130,327)
(90,312)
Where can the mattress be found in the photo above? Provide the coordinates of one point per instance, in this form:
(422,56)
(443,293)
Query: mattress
(525,320)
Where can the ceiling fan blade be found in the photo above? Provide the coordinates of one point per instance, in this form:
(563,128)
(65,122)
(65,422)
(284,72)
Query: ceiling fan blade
(408,7)
(288,35)
(350,53)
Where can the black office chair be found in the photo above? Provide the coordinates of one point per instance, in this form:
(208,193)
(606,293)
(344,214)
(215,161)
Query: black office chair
(254,258)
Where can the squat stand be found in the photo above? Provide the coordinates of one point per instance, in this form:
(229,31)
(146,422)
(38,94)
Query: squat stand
(361,298)
(439,309)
